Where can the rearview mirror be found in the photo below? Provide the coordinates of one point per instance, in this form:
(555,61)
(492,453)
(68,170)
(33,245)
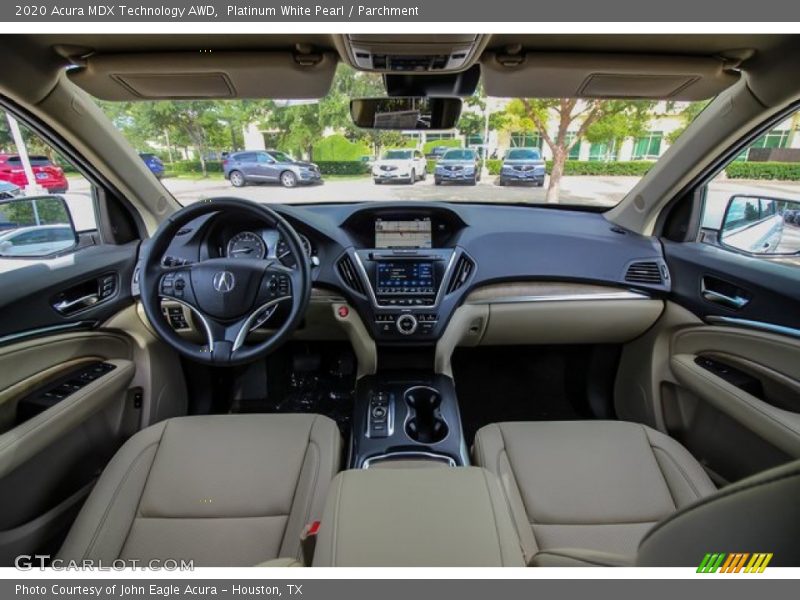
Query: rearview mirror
(37,226)
(762,225)
(404,113)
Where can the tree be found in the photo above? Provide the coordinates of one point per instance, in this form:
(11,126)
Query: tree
(471,124)
(201,124)
(594,120)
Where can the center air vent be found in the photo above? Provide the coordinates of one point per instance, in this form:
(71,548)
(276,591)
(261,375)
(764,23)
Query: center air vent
(461,273)
(645,271)
(348,273)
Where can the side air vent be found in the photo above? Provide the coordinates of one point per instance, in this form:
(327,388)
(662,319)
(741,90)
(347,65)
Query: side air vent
(348,273)
(645,271)
(463,269)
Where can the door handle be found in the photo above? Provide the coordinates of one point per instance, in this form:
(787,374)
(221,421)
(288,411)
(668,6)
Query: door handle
(66,306)
(734,301)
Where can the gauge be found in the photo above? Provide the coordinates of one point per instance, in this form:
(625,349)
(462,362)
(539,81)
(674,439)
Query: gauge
(285,255)
(246,244)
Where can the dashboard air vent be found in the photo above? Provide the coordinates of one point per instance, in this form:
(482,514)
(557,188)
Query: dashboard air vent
(462,271)
(348,273)
(645,271)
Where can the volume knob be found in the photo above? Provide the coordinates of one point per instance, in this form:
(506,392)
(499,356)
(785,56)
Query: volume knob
(406,324)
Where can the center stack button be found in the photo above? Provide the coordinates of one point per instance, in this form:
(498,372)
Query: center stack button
(406,324)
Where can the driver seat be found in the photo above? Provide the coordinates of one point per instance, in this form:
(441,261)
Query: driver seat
(222,490)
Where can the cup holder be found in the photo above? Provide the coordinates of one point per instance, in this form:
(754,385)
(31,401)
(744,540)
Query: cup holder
(425,424)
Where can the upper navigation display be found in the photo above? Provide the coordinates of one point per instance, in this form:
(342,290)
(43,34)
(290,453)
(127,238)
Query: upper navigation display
(414,233)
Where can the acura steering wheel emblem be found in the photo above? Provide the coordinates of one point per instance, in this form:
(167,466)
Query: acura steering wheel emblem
(223,281)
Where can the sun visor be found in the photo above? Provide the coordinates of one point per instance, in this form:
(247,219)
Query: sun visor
(217,75)
(563,75)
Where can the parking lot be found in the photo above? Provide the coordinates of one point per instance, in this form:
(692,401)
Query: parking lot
(585,190)
(596,191)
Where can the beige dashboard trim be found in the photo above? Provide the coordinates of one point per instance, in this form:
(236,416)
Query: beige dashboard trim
(530,313)
(508,293)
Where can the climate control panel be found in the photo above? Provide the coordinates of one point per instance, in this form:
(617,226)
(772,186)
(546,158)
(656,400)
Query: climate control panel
(406,325)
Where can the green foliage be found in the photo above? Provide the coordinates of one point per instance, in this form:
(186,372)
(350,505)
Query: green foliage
(339,148)
(205,125)
(451,143)
(340,167)
(494,165)
(764,170)
(635,168)
(471,123)
(577,167)
(193,167)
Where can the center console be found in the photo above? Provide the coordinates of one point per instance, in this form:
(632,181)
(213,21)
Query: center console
(406,274)
(406,416)
(405,289)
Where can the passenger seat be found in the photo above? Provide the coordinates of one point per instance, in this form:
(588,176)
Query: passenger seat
(587,492)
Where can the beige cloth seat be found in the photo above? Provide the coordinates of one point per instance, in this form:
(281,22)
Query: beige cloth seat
(592,486)
(228,490)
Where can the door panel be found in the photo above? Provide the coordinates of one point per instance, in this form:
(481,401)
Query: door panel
(61,419)
(28,294)
(771,408)
(772,288)
(738,412)
(729,383)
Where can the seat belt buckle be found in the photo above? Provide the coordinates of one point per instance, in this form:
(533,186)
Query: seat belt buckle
(308,542)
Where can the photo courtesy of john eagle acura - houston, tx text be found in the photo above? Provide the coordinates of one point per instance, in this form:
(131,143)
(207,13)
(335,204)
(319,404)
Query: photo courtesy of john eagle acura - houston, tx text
(399,300)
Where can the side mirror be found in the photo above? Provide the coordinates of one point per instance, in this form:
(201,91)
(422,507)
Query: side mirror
(762,225)
(402,113)
(35,227)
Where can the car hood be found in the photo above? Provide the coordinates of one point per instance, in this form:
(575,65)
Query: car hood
(396,162)
(517,163)
(461,163)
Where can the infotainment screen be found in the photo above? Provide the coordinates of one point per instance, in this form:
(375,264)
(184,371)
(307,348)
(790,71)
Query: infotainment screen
(405,277)
(415,233)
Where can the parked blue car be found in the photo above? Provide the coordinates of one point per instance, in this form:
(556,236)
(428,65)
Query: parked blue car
(523,165)
(153,163)
(458,165)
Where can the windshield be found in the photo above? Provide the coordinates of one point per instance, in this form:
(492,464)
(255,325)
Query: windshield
(523,155)
(281,157)
(397,155)
(208,147)
(459,155)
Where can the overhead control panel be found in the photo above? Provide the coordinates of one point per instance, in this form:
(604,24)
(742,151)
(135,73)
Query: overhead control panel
(413,54)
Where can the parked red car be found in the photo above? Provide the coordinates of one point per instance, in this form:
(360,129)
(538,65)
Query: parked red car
(48,175)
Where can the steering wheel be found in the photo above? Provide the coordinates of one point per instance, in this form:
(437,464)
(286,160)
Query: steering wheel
(226,295)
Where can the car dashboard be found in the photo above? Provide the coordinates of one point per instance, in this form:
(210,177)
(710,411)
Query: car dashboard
(407,267)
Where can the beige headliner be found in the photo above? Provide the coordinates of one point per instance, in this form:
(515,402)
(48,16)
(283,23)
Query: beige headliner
(34,77)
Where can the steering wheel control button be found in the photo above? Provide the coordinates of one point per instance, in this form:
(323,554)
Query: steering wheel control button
(279,286)
(406,324)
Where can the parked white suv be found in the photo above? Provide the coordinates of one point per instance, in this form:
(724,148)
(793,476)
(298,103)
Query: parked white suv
(401,164)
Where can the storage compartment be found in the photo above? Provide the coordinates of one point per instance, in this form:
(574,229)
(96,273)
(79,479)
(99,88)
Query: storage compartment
(408,517)
(402,414)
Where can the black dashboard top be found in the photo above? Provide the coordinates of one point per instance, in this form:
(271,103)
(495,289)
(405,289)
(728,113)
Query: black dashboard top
(434,254)
(506,242)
